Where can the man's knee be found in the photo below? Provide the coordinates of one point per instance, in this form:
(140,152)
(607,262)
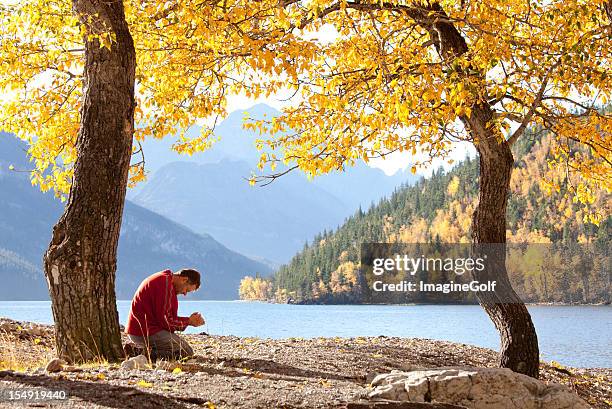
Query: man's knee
(165,345)
(185,348)
(188,351)
(171,346)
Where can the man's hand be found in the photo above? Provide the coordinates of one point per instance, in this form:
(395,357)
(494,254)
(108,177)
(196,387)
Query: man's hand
(195,319)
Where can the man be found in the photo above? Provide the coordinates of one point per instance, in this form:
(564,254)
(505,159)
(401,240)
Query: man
(153,315)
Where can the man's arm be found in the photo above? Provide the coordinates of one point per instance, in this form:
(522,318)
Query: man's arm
(168,319)
(175,322)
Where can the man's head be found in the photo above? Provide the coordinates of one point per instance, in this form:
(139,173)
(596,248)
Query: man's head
(186,281)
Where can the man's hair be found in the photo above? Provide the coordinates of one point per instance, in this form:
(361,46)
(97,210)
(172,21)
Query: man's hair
(192,275)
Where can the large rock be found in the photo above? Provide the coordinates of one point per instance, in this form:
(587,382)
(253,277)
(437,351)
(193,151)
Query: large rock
(36,331)
(474,388)
(398,405)
(55,365)
(137,362)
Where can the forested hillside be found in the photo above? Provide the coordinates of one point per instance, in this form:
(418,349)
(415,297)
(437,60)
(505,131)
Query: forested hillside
(439,209)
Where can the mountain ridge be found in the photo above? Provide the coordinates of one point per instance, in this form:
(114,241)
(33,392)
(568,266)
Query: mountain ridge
(148,242)
(212,194)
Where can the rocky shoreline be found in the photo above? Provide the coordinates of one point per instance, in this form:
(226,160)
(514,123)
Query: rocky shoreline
(233,372)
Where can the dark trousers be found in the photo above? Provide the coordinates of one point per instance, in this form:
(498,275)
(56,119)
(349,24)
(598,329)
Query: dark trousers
(164,345)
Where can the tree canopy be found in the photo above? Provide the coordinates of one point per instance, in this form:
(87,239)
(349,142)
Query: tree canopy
(388,79)
(191,56)
(416,76)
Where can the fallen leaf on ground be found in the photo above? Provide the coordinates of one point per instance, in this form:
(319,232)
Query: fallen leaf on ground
(144,384)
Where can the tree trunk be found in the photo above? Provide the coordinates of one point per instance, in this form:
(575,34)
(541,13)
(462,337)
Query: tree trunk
(81,260)
(519,343)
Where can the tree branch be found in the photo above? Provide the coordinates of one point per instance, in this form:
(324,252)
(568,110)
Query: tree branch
(536,102)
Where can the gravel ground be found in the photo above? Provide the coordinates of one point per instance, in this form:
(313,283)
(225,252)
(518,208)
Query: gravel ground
(232,372)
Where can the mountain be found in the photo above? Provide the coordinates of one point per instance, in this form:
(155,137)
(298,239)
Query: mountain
(361,186)
(209,192)
(148,242)
(266,221)
(561,268)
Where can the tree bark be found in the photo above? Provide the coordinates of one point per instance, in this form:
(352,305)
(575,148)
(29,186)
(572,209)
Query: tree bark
(519,342)
(80,262)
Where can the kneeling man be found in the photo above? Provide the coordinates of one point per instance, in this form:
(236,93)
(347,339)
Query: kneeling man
(153,315)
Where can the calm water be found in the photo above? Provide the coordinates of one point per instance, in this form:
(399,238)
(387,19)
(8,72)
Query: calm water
(575,336)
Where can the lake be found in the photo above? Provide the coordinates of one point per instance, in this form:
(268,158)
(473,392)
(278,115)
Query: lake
(572,335)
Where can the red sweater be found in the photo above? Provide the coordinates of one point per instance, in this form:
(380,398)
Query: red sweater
(154,307)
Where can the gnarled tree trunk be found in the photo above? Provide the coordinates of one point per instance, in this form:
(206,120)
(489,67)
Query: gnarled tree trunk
(81,260)
(519,342)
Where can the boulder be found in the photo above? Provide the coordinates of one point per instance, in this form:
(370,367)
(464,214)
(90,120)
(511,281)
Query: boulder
(55,365)
(398,405)
(137,362)
(474,388)
(72,368)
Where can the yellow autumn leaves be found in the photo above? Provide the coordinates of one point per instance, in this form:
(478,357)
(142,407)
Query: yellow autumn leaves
(190,58)
(378,84)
